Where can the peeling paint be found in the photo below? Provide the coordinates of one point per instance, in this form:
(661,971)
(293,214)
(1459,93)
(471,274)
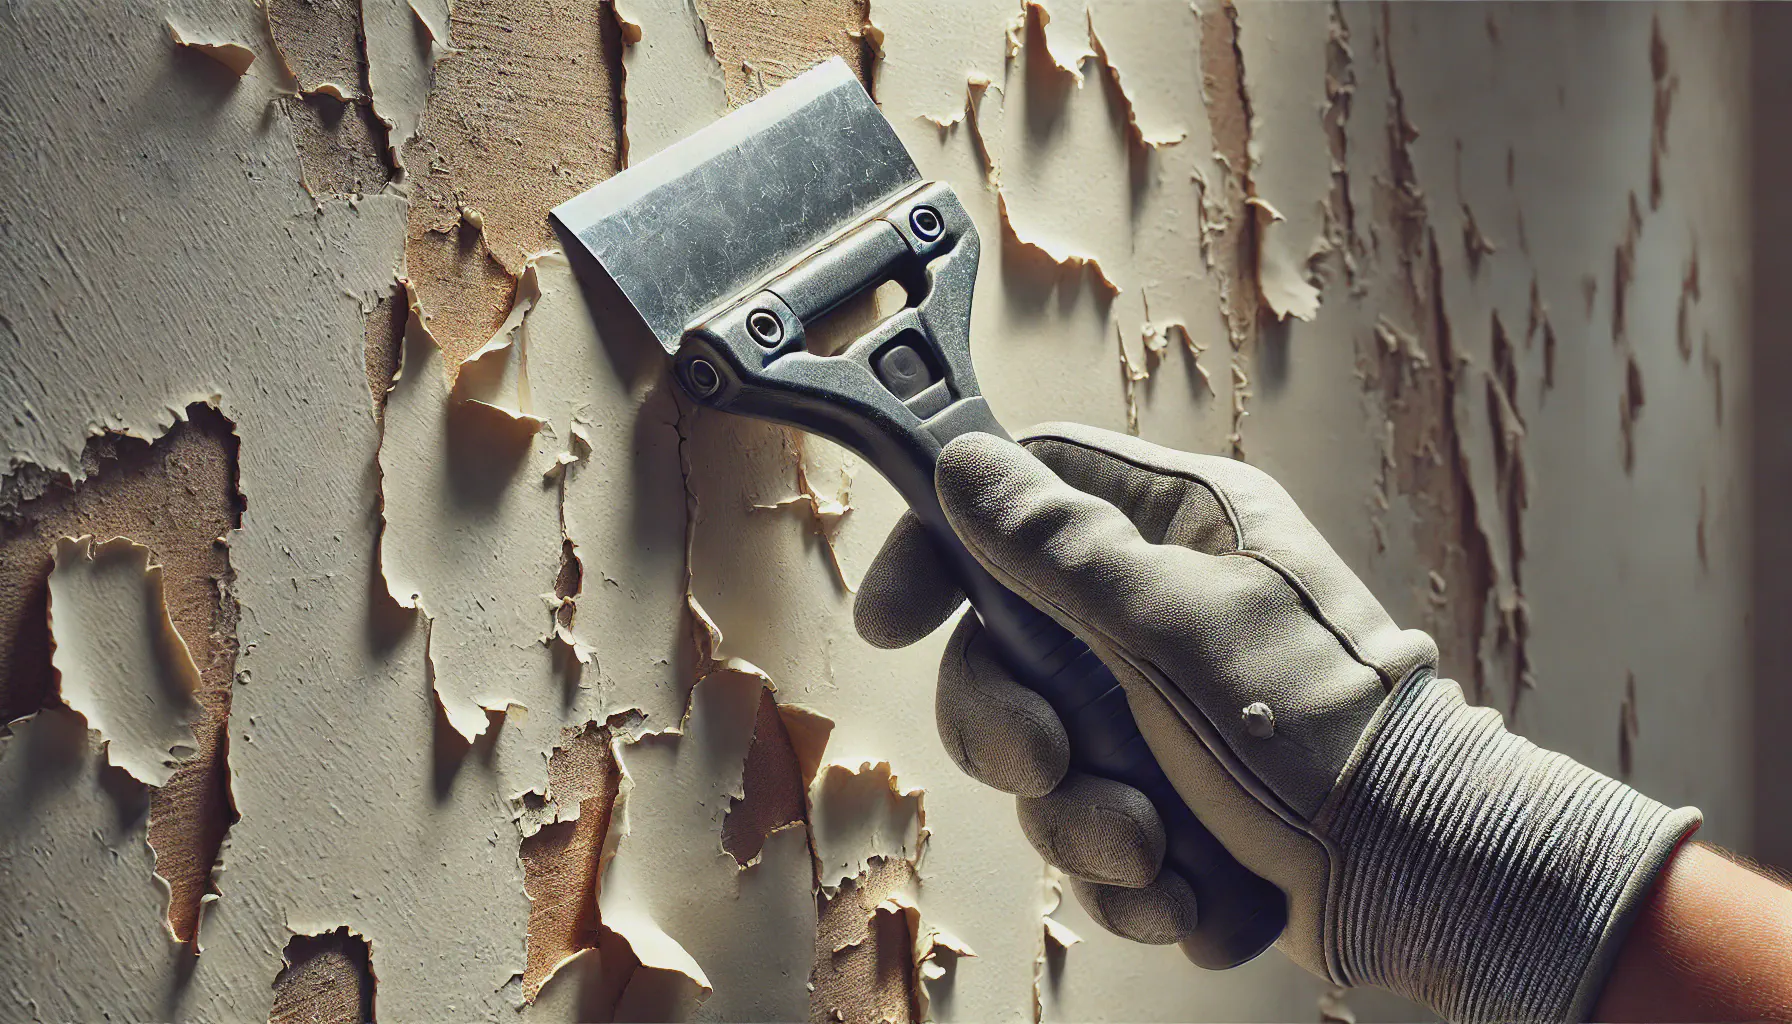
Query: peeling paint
(1055,941)
(1689,297)
(560,851)
(663,894)
(460,544)
(1058,257)
(1666,84)
(1151,128)
(1624,271)
(1289,169)
(1473,241)
(179,495)
(511,161)
(1630,408)
(576,539)
(400,63)
(860,813)
(773,787)
(936,951)
(234,57)
(120,663)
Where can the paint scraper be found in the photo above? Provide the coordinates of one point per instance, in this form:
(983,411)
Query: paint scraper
(735,242)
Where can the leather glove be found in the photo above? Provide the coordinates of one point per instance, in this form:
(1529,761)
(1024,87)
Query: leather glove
(1420,845)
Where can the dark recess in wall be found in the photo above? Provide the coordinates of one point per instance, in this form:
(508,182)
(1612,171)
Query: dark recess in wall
(1771,431)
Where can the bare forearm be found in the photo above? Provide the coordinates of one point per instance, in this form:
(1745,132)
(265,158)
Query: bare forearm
(1714,943)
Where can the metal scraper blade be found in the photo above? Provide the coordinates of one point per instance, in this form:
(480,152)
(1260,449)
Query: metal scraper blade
(724,208)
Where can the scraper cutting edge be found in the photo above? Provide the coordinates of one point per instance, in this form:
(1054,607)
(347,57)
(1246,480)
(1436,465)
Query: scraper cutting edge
(733,242)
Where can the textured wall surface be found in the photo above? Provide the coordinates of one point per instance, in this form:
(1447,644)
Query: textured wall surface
(452,665)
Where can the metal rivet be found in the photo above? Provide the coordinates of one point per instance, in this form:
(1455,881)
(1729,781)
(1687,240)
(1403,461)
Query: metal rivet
(765,327)
(927,223)
(1259,720)
(703,377)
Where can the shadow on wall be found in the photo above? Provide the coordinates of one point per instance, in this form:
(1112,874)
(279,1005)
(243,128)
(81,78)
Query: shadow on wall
(1771,433)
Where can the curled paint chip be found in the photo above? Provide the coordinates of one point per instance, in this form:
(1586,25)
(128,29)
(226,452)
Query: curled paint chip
(1059,934)
(1065,259)
(1135,126)
(626,23)
(234,56)
(120,661)
(692,916)
(861,813)
(934,951)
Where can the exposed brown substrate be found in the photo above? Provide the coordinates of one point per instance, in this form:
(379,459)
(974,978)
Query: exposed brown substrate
(178,496)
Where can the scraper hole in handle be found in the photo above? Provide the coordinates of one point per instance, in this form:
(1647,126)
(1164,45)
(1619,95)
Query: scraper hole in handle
(843,324)
(904,370)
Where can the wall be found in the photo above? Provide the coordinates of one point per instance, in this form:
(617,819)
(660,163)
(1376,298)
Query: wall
(1770,373)
(457,666)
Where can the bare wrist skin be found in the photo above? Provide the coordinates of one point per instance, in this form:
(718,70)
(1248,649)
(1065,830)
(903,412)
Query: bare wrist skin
(1713,942)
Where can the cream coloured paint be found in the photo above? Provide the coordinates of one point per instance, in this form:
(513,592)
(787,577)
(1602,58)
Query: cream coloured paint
(161,250)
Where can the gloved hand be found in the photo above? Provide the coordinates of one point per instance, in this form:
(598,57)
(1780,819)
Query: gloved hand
(1421,846)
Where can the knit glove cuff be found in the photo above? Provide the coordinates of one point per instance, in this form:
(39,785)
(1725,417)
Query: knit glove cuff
(1480,875)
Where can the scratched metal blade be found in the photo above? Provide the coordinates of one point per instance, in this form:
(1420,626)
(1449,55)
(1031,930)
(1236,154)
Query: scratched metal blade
(710,215)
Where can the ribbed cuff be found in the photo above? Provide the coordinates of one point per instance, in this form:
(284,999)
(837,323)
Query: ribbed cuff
(1482,876)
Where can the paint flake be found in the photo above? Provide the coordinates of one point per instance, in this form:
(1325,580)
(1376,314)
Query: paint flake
(1289,176)
(936,951)
(399,71)
(664,888)
(120,662)
(234,56)
(1060,257)
(462,542)
(1162,132)
(859,813)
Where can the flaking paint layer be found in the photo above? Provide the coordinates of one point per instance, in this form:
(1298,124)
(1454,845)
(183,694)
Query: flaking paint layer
(584,551)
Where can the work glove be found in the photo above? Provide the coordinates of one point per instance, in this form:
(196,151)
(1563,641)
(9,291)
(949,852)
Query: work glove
(1420,845)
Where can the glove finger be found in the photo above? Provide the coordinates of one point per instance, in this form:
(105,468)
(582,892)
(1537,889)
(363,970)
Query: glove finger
(1074,555)
(908,591)
(996,730)
(1096,829)
(1156,914)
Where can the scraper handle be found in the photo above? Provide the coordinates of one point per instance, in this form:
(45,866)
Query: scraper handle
(896,395)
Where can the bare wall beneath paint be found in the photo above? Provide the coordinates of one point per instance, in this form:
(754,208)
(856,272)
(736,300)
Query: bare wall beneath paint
(454,665)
